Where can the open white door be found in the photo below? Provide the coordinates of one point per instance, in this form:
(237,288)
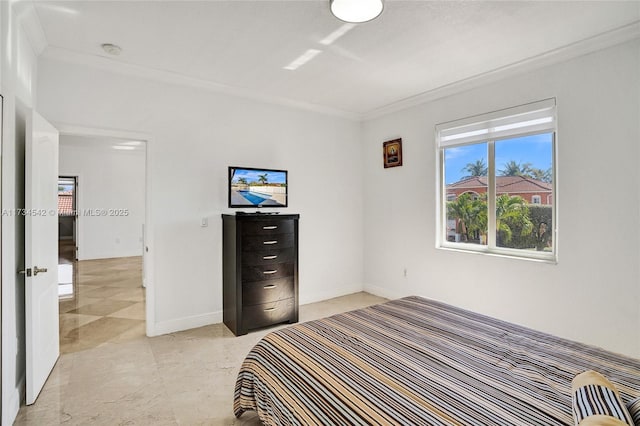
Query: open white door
(41,257)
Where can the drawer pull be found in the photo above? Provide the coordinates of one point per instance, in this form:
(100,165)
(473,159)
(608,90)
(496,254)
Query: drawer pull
(269,309)
(271,242)
(273,256)
(268,228)
(272,271)
(269,287)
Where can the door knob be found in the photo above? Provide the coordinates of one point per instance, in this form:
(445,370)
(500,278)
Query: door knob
(37,270)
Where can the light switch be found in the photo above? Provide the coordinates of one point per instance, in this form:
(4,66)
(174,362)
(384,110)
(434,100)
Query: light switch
(204,222)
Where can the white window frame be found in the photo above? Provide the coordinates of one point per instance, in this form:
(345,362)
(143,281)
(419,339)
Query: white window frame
(524,120)
(536,197)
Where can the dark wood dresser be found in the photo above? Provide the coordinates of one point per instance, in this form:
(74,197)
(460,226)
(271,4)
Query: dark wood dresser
(259,270)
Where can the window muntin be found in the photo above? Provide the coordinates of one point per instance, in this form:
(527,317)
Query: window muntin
(512,211)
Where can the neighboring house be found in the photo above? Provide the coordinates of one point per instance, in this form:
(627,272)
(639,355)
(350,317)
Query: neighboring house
(66,213)
(65,203)
(532,190)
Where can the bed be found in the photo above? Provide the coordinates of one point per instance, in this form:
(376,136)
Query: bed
(415,361)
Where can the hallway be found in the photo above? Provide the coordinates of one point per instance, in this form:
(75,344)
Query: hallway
(106,304)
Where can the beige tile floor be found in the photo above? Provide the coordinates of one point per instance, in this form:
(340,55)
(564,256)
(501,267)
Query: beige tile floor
(184,378)
(108,303)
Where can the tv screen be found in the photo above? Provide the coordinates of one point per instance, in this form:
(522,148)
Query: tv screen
(249,187)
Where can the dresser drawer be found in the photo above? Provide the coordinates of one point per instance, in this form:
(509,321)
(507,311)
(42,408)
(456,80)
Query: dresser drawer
(256,293)
(251,273)
(267,242)
(269,313)
(268,257)
(267,227)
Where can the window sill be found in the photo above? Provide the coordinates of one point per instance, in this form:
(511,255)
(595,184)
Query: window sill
(551,259)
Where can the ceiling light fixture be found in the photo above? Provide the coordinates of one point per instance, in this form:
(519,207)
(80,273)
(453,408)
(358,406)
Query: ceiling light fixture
(111,49)
(356,11)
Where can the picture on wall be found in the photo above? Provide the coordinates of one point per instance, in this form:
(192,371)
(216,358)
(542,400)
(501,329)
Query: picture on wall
(392,153)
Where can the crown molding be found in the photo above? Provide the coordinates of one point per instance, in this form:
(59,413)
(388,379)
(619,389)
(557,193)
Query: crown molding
(27,16)
(132,70)
(580,48)
(74,130)
(602,41)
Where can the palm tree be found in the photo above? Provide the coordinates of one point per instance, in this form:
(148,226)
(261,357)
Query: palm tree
(511,212)
(470,215)
(543,175)
(513,168)
(263,178)
(459,210)
(478,168)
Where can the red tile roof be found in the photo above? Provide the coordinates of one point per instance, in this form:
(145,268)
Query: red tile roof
(65,203)
(507,184)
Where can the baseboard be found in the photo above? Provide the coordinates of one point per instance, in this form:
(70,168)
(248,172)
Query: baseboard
(10,410)
(319,296)
(384,292)
(187,323)
(102,256)
(181,324)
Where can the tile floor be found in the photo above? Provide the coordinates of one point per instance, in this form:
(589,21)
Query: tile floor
(184,378)
(107,303)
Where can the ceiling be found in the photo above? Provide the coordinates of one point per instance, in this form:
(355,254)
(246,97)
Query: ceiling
(102,143)
(413,48)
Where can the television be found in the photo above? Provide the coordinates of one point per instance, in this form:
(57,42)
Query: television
(251,187)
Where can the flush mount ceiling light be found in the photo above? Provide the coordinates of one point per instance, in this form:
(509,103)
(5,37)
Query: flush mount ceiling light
(356,11)
(112,49)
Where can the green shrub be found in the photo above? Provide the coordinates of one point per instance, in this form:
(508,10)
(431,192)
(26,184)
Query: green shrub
(542,218)
(541,232)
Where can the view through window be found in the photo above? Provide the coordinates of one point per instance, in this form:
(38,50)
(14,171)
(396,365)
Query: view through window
(497,188)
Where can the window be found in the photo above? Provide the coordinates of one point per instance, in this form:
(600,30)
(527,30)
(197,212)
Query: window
(500,167)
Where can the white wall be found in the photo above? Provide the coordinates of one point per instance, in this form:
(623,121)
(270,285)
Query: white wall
(18,72)
(194,135)
(108,179)
(593,293)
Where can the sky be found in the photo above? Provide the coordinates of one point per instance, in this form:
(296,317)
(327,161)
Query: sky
(535,149)
(252,175)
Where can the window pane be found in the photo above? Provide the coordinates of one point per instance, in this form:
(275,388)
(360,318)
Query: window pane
(524,192)
(465,174)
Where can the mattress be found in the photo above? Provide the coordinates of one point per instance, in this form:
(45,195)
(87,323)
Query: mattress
(415,361)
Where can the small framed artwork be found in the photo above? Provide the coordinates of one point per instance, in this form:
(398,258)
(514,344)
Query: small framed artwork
(392,153)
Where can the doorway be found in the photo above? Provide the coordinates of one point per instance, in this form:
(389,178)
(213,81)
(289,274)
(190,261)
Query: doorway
(101,200)
(67,248)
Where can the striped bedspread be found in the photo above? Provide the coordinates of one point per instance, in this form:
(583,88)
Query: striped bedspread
(414,361)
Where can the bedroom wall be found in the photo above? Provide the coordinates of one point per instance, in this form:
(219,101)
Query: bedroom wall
(593,293)
(194,135)
(108,179)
